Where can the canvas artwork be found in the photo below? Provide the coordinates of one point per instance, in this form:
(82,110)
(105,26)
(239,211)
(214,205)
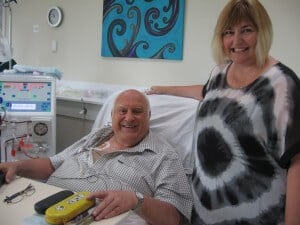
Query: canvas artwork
(143,29)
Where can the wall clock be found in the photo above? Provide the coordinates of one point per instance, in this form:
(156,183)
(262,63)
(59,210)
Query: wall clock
(54,16)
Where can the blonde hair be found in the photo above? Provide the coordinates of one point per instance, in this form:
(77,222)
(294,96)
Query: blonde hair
(234,12)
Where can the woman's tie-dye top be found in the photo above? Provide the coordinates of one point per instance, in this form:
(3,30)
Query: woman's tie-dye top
(244,141)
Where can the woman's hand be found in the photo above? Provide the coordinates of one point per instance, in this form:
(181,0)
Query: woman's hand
(112,203)
(292,209)
(153,90)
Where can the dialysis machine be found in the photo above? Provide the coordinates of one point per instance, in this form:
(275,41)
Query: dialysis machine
(27,116)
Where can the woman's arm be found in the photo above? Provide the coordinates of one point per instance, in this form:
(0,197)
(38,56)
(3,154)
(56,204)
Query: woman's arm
(157,212)
(192,91)
(292,209)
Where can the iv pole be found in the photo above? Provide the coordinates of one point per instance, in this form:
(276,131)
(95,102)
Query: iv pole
(7,4)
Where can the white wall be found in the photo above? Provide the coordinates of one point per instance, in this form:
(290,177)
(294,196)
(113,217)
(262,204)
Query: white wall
(79,38)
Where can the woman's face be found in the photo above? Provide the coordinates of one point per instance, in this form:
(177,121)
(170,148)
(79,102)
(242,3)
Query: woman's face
(239,43)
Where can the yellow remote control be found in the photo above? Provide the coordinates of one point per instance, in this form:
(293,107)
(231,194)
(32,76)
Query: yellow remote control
(68,208)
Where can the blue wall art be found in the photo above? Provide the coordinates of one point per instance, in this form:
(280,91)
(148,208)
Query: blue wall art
(143,29)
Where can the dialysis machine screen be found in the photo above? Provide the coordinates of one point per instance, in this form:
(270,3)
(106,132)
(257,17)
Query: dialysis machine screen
(27,117)
(25,96)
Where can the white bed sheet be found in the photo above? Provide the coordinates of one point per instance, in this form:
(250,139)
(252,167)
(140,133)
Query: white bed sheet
(171,116)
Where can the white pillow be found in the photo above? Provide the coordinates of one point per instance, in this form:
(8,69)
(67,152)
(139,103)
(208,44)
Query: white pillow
(171,116)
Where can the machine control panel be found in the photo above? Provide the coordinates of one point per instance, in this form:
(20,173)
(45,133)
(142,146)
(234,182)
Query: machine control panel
(25,96)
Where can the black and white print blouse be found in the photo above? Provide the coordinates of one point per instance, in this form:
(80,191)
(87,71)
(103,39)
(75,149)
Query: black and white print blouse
(243,142)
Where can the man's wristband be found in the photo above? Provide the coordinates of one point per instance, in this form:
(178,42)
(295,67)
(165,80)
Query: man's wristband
(140,198)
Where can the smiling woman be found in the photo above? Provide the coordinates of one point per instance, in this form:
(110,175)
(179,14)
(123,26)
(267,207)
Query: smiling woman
(245,139)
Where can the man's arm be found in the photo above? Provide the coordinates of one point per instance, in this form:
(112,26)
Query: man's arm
(40,168)
(154,211)
(292,209)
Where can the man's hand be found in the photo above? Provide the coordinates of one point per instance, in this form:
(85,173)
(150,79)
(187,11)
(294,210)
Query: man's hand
(10,170)
(112,203)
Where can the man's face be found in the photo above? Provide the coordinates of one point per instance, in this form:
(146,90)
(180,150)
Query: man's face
(130,118)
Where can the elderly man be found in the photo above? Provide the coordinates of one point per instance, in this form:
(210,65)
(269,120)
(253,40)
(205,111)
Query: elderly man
(125,166)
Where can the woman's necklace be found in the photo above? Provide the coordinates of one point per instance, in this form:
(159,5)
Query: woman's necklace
(239,79)
(240,83)
(243,79)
